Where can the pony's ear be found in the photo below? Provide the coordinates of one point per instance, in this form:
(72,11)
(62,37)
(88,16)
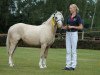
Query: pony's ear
(56,11)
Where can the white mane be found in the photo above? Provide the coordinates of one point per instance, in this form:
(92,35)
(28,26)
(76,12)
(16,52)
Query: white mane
(49,19)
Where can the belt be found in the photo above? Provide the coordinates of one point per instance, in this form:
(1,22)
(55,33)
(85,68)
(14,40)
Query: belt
(72,30)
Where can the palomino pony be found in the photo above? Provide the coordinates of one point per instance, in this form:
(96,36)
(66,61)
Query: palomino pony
(43,35)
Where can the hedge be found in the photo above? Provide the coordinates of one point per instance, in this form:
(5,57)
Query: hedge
(60,43)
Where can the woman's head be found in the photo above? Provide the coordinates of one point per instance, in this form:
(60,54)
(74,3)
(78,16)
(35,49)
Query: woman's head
(73,8)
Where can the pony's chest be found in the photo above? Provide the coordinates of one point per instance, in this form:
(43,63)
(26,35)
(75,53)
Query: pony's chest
(51,40)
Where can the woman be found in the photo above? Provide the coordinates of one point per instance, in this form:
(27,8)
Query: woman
(74,23)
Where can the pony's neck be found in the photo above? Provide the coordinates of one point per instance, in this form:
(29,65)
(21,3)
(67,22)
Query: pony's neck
(51,22)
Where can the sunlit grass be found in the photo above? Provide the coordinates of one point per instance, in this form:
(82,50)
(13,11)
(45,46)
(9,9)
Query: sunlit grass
(26,62)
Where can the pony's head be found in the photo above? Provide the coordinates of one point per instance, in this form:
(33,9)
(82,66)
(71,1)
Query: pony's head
(58,17)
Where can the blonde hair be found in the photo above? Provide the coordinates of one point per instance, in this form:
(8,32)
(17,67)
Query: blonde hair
(76,7)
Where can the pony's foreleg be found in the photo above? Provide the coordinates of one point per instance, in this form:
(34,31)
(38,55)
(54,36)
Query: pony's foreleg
(45,56)
(10,61)
(43,47)
(11,51)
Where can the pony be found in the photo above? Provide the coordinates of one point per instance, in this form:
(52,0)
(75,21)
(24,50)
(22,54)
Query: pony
(42,35)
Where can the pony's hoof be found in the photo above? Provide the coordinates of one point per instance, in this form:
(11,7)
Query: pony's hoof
(11,65)
(41,67)
(45,66)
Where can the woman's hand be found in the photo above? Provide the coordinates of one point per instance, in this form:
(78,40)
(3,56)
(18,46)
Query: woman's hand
(64,27)
(80,27)
(70,27)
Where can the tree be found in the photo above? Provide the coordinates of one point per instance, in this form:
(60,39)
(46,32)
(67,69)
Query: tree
(4,15)
(35,12)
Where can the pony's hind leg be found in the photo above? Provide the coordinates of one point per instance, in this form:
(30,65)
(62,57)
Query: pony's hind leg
(10,52)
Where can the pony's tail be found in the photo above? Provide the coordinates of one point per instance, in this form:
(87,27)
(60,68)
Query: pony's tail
(8,42)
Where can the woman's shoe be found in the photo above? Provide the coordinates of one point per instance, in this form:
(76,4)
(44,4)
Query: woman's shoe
(67,68)
(72,68)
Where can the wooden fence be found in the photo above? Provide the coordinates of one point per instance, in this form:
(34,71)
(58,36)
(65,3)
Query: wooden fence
(93,35)
(91,40)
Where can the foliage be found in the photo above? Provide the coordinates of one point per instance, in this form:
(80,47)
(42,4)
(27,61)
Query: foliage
(93,42)
(36,12)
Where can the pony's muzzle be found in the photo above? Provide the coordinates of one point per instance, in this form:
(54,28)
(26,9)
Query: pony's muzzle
(60,24)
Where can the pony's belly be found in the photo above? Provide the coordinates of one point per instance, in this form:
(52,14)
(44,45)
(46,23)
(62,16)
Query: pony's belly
(32,42)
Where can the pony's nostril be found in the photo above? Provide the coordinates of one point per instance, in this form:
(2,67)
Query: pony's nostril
(56,18)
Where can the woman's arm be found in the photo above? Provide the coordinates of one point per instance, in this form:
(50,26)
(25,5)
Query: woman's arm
(80,27)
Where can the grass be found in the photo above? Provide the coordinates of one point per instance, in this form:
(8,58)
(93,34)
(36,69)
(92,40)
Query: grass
(26,62)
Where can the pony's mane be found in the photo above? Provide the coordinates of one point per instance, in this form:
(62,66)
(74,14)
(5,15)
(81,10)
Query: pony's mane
(47,21)
(49,18)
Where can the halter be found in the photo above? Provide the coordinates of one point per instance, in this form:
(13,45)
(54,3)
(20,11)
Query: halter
(54,22)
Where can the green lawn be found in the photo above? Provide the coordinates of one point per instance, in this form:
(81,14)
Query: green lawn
(26,62)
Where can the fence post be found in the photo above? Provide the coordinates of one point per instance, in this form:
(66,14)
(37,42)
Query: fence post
(82,35)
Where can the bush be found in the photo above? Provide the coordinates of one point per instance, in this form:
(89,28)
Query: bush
(3,39)
(59,43)
(89,44)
